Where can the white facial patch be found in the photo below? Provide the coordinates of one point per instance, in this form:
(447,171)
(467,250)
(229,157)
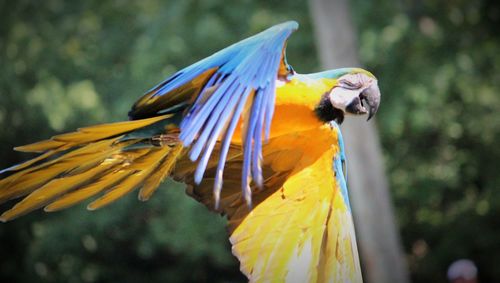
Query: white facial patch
(341,97)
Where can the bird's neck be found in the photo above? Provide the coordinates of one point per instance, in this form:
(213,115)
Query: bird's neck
(326,112)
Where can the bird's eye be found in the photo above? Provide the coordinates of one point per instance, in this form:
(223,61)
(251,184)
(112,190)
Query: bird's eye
(350,85)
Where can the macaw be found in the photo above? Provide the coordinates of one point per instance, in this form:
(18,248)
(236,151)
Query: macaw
(252,140)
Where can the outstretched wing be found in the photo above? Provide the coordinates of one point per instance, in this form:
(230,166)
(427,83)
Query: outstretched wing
(207,100)
(215,93)
(302,232)
(300,228)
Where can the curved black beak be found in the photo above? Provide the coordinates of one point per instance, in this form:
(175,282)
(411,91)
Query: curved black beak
(371,96)
(356,106)
(368,101)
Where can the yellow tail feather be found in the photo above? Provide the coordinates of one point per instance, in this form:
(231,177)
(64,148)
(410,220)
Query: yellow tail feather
(143,169)
(27,180)
(40,146)
(95,159)
(89,134)
(88,191)
(50,191)
(163,170)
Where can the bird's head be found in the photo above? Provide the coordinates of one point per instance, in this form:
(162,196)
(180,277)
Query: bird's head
(355,92)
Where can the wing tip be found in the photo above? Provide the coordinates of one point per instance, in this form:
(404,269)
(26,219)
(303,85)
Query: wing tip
(143,196)
(293,24)
(50,208)
(8,215)
(92,206)
(290,25)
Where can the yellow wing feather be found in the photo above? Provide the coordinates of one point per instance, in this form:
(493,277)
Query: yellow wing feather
(52,190)
(27,180)
(163,170)
(88,191)
(300,228)
(142,167)
(89,134)
(95,160)
(302,231)
(39,146)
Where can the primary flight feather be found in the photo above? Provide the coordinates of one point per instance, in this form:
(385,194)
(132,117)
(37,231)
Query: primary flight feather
(250,138)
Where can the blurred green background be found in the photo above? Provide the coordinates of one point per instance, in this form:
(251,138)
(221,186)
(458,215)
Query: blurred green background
(66,64)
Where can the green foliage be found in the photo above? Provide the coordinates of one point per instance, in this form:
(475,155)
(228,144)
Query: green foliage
(67,64)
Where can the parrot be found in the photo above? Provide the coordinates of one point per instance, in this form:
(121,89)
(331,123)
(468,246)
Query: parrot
(252,140)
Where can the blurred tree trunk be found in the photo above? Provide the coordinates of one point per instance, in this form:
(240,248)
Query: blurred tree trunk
(381,255)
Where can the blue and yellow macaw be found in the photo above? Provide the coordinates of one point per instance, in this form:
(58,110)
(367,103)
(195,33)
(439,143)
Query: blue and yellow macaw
(251,138)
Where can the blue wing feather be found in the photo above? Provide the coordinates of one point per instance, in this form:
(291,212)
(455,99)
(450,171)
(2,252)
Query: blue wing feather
(251,64)
(226,142)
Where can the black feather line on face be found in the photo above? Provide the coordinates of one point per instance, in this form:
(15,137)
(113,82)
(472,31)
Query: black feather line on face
(326,112)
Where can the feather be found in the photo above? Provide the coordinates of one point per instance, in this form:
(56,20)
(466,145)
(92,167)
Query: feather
(151,104)
(143,169)
(39,146)
(248,67)
(300,227)
(24,182)
(95,159)
(94,133)
(226,142)
(30,162)
(163,170)
(51,190)
(291,232)
(88,191)
(89,134)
